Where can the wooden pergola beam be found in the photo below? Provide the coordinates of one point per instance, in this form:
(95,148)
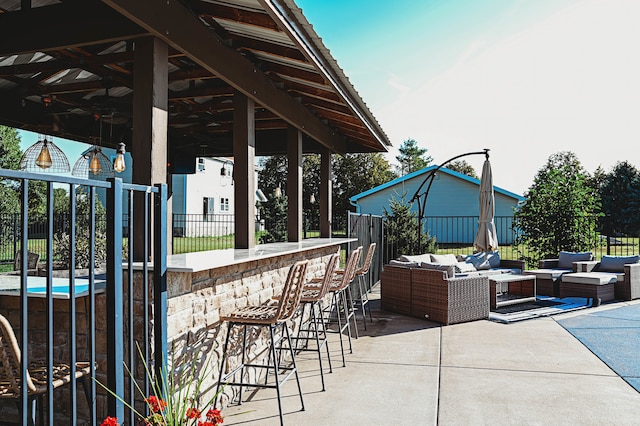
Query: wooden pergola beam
(167,21)
(61,26)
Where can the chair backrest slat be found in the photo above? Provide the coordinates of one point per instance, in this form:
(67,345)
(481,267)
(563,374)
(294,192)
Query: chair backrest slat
(292,290)
(367,260)
(10,359)
(329,272)
(350,268)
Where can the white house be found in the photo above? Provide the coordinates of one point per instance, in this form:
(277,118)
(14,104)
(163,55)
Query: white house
(203,202)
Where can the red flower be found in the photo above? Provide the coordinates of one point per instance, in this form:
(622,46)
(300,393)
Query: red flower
(110,421)
(156,404)
(193,413)
(214,416)
(207,423)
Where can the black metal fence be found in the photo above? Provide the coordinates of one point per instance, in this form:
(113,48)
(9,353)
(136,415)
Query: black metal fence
(455,234)
(197,232)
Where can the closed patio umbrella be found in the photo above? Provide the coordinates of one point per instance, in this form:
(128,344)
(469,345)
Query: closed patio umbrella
(486,238)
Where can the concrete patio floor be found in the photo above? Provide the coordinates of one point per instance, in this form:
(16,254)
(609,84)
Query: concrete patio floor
(406,371)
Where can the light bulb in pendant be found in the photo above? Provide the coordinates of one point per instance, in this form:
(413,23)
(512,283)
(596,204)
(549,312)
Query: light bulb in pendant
(94,165)
(118,163)
(44,158)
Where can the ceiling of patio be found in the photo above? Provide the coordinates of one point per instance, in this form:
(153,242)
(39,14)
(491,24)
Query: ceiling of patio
(64,64)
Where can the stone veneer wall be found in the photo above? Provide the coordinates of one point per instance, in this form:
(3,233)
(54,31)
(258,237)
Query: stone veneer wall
(37,320)
(196,301)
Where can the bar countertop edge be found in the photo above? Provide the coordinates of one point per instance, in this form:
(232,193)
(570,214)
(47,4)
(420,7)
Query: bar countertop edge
(205,260)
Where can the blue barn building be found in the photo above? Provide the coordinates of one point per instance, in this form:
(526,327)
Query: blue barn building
(452,207)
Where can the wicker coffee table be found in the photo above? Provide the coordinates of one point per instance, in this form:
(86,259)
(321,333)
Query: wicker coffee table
(509,289)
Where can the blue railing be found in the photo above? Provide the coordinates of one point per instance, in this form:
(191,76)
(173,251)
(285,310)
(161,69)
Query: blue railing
(101,326)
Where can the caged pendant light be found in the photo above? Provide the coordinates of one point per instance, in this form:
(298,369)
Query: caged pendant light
(44,157)
(93,164)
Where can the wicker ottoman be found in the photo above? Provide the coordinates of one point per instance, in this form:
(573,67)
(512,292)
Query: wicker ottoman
(600,285)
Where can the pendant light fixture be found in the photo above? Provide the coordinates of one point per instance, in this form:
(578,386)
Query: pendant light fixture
(44,157)
(119,164)
(93,163)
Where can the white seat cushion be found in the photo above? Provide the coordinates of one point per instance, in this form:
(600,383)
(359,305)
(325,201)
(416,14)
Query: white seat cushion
(593,278)
(547,274)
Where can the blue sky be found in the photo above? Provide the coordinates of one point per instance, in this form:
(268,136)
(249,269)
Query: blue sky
(524,78)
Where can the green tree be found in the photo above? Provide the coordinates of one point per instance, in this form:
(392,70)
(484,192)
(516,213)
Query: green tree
(311,190)
(355,173)
(412,157)
(274,213)
(618,195)
(402,230)
(558,211)
(62,246)
(10,152)
(461,166)
(272,174)
(10,155)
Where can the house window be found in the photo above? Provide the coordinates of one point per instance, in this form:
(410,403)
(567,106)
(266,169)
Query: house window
(208,208)
(224,204)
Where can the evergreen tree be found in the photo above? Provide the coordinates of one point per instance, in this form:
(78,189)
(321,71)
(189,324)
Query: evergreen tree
(463,167)
(412,157)
(402,231)
(618,195)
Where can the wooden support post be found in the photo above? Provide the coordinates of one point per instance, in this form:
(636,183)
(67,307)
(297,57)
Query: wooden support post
(294,184)
(244,147)
(149,147)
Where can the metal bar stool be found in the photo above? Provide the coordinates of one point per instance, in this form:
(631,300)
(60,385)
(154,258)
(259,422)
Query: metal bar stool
(341,300)
(314,329)
(273,316)
(363,289)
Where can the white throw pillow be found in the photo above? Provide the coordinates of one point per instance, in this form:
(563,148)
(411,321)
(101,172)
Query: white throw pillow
(463,267)
(416,258)
(444,259)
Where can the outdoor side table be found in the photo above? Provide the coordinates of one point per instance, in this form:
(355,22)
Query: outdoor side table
(509,289)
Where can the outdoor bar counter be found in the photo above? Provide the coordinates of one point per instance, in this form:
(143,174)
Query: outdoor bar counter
(202,285)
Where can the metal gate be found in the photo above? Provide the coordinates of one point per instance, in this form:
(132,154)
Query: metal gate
(367,229)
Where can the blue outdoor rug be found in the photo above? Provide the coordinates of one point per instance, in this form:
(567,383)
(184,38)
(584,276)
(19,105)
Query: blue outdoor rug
(613,336)
(544,306)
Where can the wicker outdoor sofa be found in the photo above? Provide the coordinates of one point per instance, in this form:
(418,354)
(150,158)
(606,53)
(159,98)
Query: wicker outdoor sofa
(613,277)
(433,295)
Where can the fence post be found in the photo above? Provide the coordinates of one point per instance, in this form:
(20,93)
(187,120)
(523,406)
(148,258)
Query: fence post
(15,234)
(160,278)
(115,318)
